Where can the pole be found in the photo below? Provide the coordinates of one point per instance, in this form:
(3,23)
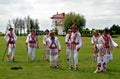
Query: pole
(4,53)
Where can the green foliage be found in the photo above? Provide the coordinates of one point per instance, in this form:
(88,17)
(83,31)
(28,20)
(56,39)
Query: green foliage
(86,33)
(40,68)
(73,18)
(2,34)
(115,29)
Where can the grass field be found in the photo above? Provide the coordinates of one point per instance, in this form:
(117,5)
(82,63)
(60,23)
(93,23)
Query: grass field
(40,68)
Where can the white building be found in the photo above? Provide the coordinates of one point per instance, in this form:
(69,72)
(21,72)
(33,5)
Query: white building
(57,23)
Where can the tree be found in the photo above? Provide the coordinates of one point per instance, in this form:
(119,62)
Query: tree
(115,29)
(31,24)
(20,25)
(73,18)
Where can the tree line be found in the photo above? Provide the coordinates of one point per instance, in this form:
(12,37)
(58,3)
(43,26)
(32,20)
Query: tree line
(22,26)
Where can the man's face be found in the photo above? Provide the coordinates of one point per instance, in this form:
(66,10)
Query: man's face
(105,33)
(95,34)
(74,29)
(52,34)
(70,32)
(33,32)
(47,33)
(11,30)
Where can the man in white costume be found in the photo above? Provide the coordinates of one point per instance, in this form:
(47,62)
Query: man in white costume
(94,40)
(11,37)
(32,43)
(76,43)
(104,54)
(67,41)
(46,45)
(54,46)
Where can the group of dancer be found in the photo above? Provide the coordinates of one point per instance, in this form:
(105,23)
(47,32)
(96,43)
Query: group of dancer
(73,41)
(103,46)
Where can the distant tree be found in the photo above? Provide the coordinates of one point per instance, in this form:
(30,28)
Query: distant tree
(15,25)
(73,18)
(31,24)
(115,29)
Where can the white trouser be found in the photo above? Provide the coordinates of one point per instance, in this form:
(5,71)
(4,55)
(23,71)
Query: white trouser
(54,57)
(47,52)
(73,53)
(109,55)
(68,50)
(31,50)
(11,50)
(101,60)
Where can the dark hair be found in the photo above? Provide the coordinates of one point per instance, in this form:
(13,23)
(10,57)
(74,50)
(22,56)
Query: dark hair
(10,28)
(106,30)
(47,30)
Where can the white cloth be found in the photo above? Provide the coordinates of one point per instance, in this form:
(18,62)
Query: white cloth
(77,40)
(11,47)
(54,52)
(74,53)
(46,46)
(7,38)
(113,42)
(31,49)
(100,42)
(45,39)
(68,47)
(29,38)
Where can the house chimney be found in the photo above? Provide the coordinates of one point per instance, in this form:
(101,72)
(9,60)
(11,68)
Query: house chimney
(63,14)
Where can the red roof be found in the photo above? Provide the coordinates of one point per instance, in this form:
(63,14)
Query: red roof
(58,16)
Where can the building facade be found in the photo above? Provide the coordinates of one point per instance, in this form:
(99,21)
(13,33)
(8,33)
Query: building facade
(57,23)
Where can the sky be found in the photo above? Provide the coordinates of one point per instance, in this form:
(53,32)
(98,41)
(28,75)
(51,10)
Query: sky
(98,13)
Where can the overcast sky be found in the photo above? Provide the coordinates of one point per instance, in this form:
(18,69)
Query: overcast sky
(98,13)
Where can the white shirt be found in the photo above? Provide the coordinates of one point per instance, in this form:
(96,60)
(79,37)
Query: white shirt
(56,41)
(77,40)
(45,39)
(7,38)
(29,38)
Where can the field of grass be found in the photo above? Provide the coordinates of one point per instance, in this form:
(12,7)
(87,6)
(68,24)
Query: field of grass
(40,68)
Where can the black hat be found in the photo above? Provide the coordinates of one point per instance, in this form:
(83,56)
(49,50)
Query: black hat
(32,30)
(10,28)
(47,30)
(106,30)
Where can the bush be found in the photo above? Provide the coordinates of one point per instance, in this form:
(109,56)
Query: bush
(2,34)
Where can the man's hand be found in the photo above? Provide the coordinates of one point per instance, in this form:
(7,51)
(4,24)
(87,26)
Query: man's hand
(59,51)
(78,49)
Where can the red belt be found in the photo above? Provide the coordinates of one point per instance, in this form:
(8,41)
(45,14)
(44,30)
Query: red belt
(52,47)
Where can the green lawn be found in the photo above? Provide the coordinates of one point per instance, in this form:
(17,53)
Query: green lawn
(40,68)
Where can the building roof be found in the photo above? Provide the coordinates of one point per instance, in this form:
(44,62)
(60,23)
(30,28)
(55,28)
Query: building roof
(58,16)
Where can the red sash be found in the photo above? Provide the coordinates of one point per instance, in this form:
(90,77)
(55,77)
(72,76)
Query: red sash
(11,40)
(33,41)
(73,43)
(107,40)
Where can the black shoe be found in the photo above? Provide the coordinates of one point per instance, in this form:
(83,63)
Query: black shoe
(70,68)
(57,66)
(67,59)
